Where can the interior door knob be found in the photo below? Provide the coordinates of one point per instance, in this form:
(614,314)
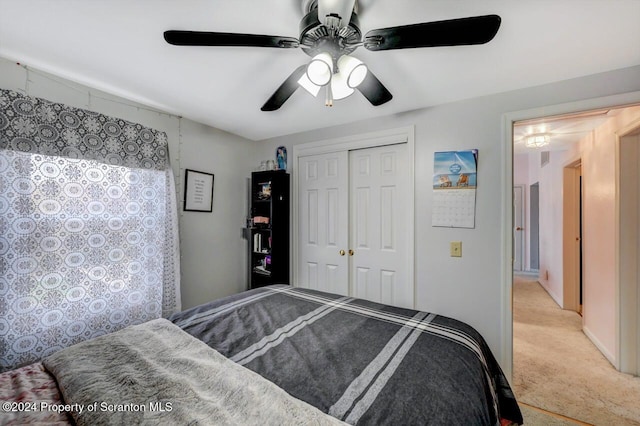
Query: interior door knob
(518,229)
(341,252)
(351,252)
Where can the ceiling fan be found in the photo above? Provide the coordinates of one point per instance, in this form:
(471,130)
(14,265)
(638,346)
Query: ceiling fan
(329,33)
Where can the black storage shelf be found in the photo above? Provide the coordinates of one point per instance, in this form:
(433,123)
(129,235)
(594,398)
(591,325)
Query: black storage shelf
(269,242)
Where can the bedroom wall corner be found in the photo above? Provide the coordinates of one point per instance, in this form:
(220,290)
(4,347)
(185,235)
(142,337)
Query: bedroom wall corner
(213,248)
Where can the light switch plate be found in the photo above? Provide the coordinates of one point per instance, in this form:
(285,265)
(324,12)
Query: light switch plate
(456,248)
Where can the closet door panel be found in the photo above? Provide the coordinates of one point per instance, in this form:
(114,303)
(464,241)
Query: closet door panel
(379,188)
(362,211)
(322,220)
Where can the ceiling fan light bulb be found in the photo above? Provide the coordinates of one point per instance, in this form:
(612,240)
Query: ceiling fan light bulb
(354,69)
(357,76)
(307,85)
(339,87)
(320,69)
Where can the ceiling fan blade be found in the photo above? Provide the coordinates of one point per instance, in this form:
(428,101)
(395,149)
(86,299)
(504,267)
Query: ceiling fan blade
(374,90)
(452,32)
(285,90)
(202,38)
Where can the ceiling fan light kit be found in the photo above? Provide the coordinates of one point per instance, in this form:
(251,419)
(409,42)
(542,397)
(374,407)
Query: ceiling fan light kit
(341,79)
(329,33)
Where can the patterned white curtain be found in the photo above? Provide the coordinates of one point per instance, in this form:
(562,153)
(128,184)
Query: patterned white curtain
(88,227)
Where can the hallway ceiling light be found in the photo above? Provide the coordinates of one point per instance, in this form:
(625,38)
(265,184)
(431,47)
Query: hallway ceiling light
(537,140)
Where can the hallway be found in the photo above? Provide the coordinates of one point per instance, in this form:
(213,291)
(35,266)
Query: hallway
(558,369)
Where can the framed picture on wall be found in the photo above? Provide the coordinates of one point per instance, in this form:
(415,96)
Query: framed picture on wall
(198,191)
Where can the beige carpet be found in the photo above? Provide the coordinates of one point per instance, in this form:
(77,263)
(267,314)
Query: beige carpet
(535,417)
(557,368)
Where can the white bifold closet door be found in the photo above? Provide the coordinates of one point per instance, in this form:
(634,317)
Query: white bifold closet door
(352,222)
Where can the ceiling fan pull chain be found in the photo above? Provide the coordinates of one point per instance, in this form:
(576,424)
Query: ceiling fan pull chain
(329,99)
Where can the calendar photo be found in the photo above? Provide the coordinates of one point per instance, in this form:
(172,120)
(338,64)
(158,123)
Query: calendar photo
(455,169)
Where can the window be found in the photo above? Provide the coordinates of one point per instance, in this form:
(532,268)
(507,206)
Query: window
(86,246)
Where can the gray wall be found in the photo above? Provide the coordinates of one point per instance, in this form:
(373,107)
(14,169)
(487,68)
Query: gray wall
(468,288)
(212,249)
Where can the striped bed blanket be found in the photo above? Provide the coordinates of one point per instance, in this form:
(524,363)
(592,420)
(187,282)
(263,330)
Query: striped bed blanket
(359,361)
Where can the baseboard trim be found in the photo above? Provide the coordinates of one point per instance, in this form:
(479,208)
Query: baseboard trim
(554,297)
(603,350)
(528,274)
(556,415)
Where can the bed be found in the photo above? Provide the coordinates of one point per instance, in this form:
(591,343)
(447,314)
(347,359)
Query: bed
(284,355)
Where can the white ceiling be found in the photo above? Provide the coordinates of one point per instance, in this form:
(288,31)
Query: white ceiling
(117,46)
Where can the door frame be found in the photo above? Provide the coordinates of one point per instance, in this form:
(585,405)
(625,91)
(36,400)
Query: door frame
(349,143)
(506,252)
(627,147)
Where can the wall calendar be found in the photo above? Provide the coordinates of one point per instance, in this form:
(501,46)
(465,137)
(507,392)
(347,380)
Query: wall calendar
(454,188)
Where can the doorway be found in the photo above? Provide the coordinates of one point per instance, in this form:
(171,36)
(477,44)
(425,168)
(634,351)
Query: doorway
(597,183)
(616,102)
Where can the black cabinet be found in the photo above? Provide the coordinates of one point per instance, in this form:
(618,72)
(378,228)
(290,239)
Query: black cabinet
(269,230)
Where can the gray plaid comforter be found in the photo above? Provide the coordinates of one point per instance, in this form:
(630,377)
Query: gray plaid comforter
(359,361)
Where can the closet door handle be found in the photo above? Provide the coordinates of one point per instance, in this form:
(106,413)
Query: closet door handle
(341,252)
(351,252)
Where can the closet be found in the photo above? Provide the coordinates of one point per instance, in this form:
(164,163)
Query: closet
(354,233)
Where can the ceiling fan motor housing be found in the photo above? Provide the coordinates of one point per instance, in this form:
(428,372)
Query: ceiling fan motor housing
(316,37)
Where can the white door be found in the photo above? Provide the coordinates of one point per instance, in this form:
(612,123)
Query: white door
(323,211)
(353,224)
(379,183)
(518,227)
